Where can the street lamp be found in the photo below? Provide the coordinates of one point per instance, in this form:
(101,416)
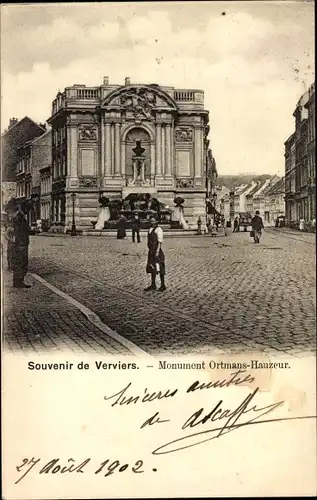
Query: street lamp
(73,231)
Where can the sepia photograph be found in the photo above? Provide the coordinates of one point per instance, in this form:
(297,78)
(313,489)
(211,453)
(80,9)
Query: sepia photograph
(158,204)
(173,208)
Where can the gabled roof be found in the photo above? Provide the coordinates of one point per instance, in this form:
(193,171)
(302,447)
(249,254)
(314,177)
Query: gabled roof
(21,121)
(255,189)
(241,189)
(278,187)
(33,141)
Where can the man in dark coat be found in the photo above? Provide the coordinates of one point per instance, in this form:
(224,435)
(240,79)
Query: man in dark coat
(10,244)
(136,226)
(257,226)
(156,259)
(21,241)
(121,231)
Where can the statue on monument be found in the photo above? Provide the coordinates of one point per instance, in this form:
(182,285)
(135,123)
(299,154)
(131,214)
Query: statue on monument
(138,165)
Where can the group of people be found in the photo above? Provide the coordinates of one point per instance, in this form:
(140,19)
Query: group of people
(214,223)
(136,228)
(17,235)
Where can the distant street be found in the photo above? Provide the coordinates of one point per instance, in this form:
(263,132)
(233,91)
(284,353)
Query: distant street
(222,293)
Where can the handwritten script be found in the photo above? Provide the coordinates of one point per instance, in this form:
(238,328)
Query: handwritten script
(200,426)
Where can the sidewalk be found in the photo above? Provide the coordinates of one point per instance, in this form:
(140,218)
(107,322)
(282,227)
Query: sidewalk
(38,320)
(294,232)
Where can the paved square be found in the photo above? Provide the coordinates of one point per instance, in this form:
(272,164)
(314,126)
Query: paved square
(223,293)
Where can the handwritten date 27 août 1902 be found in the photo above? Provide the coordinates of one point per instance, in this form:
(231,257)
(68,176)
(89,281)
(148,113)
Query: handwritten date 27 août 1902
(55,466)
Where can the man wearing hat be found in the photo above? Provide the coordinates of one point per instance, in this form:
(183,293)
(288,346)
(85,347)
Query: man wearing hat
(156,259)
(257,226)
(20,259)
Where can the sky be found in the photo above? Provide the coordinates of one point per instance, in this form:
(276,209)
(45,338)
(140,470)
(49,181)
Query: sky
(252,59)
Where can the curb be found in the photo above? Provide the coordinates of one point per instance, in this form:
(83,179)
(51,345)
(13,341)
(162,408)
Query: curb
(95,320)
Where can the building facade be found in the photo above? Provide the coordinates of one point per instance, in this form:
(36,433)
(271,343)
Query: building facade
(17,134)
(46,194)
(31,157)
(240,197)
(221,206)
(300,175)
(275,202)
(311,153)
(95,131)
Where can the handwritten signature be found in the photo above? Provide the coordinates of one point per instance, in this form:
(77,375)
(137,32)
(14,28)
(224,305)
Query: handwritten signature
(231,419)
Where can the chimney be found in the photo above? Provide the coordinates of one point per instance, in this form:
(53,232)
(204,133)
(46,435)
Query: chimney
(127,81)
(12,122)
(106,80)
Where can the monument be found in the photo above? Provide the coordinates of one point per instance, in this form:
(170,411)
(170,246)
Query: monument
(112,141)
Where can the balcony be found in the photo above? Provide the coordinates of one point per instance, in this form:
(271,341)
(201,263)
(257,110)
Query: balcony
(184,95)
(86,94)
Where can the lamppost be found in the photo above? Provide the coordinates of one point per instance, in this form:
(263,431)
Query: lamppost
(73,230)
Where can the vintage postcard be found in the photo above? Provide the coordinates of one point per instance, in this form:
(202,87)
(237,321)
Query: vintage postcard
(158,220)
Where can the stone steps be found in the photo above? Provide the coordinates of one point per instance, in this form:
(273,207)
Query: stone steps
(143,233)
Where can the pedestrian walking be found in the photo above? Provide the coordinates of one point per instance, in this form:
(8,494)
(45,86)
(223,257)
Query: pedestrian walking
(156,259)
(302,224)
(236,225)
(257,226)
(136,226)
(20,257)
(121,232)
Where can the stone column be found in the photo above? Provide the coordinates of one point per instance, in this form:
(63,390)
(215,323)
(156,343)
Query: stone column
(123,159)
(107,167)
(102,152)
(158,152)
(168,151)
(112,148)
(152,159)
(117,166)
(198,152)
(72,152)
(163,152)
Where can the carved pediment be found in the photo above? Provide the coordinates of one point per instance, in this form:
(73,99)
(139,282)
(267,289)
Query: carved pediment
(139,101)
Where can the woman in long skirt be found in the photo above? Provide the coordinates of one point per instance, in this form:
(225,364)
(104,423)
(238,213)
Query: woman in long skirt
(121,233)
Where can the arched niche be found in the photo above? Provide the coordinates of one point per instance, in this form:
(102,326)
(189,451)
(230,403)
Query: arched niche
(133,135)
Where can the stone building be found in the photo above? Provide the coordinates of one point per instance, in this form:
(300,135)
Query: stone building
(275,201)
(240,198)
(300,175)
(15,136)
(95,130)
(32,156)
(18,132)
(311,154)
(46,194)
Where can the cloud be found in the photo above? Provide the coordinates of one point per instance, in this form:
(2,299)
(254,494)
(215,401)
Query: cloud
(250,66)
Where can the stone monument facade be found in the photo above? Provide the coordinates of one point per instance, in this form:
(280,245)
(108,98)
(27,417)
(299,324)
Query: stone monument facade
(95,133)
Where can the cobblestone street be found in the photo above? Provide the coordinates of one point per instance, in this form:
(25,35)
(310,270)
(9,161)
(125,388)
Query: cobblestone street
(223,294)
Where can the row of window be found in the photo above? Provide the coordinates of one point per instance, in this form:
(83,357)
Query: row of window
(23,189)
(59,134)
(311,129)
(306,209)
(46,210)
(46,184)
(59,166)
(23,165)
